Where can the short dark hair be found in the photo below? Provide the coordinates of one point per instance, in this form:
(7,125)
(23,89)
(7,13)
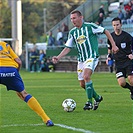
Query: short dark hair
(116,19)
(77,12)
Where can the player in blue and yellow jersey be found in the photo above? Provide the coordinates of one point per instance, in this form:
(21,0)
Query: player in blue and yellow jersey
(84,36)
(9,76)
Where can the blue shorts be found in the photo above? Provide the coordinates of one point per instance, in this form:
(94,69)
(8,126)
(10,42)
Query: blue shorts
(110,63)
(9,76)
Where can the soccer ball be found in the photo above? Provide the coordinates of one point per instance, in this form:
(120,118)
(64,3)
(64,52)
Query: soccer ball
(69,105)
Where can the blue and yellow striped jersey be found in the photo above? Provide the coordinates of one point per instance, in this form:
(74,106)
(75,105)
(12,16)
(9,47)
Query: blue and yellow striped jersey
(7,56)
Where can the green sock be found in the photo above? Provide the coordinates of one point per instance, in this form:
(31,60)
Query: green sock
(89,91)
(95,95)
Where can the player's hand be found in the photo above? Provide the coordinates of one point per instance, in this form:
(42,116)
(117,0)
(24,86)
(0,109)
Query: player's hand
(130,56)
(115,49)
(55,59)
(106,61)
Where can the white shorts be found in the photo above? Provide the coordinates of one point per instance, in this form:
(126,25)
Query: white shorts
(90,63)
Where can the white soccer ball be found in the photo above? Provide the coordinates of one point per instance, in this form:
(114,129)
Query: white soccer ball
(69,105)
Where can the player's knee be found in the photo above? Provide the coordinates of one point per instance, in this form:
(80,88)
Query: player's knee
(82,84)
(122,84)
(131,80)
(121,81)
(86,78)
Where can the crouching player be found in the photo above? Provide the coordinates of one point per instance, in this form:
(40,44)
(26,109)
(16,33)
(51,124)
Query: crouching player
(9,76)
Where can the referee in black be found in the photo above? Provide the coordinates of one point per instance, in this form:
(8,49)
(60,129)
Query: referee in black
(124,57)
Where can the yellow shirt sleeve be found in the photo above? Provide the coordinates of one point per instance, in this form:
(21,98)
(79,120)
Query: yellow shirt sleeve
(7,56)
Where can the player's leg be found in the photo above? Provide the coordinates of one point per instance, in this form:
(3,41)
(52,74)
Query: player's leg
(122,82)
(130,79)
(80,72)
(95,95)
(84,78)
(82,83)
(15,83)
(35,106)
(121,78)
(91,93)
(88,84)
(20,96)
(90,66)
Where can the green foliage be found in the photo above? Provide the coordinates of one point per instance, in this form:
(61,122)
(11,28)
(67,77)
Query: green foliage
(32,21)
(33,17)
(5,20)
(54,14)
(114,114)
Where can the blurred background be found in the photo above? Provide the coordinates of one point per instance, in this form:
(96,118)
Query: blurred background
(37,24)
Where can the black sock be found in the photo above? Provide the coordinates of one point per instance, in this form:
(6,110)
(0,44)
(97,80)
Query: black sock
(128,86)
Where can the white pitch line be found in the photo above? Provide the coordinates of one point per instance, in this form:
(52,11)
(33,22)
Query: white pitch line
(59,125)
(21,125)
(74,129)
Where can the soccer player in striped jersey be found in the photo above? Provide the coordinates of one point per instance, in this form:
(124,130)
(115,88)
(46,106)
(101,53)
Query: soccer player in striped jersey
(84,36)
(9,76)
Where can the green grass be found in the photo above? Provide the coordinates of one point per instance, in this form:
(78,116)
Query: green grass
(114,114)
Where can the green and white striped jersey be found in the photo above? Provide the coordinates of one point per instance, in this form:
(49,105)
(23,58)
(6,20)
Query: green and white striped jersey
(85,40)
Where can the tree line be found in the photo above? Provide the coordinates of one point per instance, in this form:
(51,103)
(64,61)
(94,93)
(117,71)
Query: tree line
(33,17)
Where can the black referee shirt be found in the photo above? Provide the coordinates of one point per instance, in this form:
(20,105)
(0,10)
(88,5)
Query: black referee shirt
(124,43)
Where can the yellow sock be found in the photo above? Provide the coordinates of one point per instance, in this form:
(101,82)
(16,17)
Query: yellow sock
(35,106)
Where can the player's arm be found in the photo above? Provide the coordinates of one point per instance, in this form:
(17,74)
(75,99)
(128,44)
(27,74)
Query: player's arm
(64,52)
(130,56)
(114,47)
(99,29)
(110,52)
(15,58)
(108,56)
(19,62)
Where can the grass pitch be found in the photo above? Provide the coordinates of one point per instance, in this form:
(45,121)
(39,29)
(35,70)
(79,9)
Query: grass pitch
(114,114)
